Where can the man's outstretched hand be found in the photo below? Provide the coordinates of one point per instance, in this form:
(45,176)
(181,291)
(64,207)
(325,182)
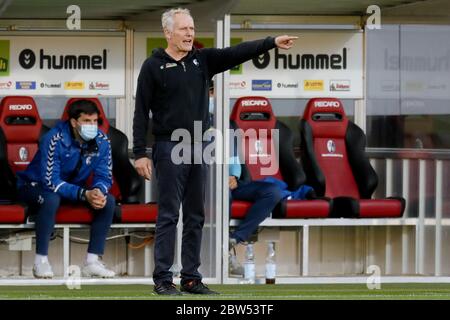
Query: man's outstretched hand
(285,41)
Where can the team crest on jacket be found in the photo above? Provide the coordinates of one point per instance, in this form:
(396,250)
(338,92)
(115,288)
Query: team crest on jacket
(195,61)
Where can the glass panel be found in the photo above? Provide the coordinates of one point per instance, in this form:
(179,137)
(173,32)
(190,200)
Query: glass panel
(408,85)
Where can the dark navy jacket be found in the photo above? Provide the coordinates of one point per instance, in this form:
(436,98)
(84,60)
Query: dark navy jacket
(55,163)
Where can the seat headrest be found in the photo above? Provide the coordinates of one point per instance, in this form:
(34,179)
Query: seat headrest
(253,113)
(103,123)
(326,117)
(19,119)
(324,109)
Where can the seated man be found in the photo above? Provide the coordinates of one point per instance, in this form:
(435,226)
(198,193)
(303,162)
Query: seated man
(264,195)
(67,156)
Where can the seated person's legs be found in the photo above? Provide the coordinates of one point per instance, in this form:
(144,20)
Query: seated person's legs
(264,196)
(46,204)
(99,230)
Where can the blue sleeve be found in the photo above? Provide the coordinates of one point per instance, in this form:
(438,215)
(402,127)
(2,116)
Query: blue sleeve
(51,169)
(235,167)
(103,171)
(300,193)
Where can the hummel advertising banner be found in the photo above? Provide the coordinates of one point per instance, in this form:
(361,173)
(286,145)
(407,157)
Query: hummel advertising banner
(321,63)
(70,66)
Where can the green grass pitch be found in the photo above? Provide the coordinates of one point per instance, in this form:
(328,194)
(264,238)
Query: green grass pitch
(236,292)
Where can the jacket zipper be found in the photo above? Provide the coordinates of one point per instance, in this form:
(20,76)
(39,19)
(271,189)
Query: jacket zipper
(184,67)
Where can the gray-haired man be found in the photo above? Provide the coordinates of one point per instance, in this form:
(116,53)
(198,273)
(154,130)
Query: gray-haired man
(173,84)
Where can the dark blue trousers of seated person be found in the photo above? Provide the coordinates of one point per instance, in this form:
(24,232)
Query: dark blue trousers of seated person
(179,183)
(46,204)
(264,196)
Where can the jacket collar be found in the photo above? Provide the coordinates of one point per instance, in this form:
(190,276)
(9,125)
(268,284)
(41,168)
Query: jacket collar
(66,134)
(161,53)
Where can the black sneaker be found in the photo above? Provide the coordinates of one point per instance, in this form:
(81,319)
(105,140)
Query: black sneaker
(166,288)
(196,287)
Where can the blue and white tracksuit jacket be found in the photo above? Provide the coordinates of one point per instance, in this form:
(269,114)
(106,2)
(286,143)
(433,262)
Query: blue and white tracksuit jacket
(58,157)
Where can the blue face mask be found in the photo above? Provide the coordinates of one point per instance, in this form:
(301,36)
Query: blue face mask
(88,131)
(211,104)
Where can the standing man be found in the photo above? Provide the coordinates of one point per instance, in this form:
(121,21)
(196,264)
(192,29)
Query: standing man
(67,156)
(173,83)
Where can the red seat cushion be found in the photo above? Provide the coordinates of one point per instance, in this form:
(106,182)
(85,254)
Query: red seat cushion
(383,208)
(68,213)
(299,209)
(129,213)
(239,209)
(139,213)
(12,213)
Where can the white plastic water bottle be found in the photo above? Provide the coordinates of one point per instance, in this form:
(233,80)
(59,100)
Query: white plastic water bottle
(249,264)
(271,266)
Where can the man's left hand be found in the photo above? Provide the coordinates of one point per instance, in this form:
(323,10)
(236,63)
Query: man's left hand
(285,41)
(232,182)
(96,198)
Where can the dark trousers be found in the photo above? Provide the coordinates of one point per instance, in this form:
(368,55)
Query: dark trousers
(264,196)
(178,184)
(47,203)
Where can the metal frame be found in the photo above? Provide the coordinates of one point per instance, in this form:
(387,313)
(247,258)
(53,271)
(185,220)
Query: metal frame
(146,279)
(439,220)
(219,103)
(66,252)
(225,116)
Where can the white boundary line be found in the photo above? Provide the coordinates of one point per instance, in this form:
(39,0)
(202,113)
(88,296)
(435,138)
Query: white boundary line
(232,280)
